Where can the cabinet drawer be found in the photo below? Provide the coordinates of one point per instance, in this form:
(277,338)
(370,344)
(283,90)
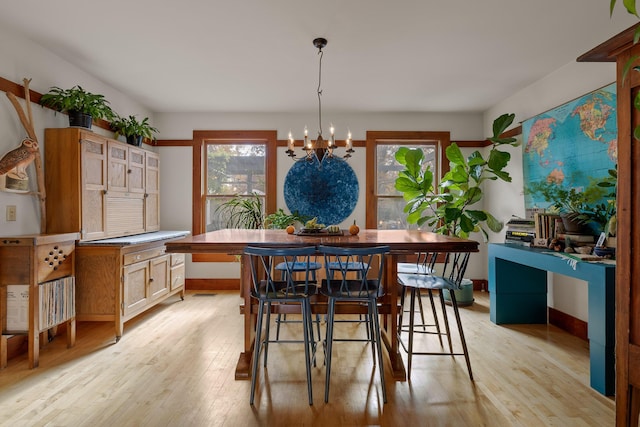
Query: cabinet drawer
(177,277)
(177,259)
(143,255)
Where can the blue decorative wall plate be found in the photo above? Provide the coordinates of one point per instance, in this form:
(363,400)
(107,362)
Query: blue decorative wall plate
(328,191)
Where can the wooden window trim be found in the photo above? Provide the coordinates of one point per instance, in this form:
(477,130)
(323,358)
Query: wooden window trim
(407,138)
(200,140)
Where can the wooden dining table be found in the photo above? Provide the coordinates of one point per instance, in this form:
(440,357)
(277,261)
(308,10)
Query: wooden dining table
(400,242)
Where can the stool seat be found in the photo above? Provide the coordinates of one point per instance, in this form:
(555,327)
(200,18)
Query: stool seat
(426,281)
(298,266)
(349,266)
(413,268)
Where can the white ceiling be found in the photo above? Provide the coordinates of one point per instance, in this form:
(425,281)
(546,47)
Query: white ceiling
(258,56)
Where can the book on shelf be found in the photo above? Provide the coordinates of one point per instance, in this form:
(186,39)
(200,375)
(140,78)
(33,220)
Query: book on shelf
(526,236)
(547,225)
(576,237)
(518,242)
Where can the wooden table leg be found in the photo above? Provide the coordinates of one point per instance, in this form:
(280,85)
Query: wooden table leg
(244,361)
(390,323)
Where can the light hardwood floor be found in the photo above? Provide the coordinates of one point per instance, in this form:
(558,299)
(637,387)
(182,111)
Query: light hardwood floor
(174,366)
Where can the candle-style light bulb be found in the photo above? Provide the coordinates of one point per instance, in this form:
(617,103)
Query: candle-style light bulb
(349,143)
(290,142)
(332,140)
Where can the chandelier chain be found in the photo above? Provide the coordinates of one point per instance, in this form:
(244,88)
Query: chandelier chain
(320,92)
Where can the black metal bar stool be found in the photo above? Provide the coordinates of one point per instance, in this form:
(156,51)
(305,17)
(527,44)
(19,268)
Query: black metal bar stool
(364,289)
(454,267)
(267,289)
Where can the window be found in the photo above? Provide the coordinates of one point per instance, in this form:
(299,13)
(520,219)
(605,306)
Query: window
(384,203)
(229,163)
(234,169)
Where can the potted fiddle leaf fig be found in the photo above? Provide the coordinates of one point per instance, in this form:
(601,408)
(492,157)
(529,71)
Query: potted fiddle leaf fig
(133,129)
(81,106)
(448,208)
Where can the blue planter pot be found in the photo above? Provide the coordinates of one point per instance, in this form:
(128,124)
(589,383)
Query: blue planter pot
(464,296)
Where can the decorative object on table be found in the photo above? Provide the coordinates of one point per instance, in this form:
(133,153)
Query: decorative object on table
(354,229)
(333,229)
(320,150)
(329,193)
(28,124)
(282,220)
(604,252)
(447,208)
(81,106)
(135,131)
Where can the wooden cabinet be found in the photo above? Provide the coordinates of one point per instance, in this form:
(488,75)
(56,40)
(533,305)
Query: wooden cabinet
(98,186)
(44,266)
(116,282)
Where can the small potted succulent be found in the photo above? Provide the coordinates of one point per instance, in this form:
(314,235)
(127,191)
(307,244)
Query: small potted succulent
(132,129)
(81,106)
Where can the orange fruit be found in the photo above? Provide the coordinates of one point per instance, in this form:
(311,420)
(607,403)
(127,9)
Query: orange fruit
(291,229)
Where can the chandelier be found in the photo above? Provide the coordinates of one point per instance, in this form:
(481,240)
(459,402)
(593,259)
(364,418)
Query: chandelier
(321,148)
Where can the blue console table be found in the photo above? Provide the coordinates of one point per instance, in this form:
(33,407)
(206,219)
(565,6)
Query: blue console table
(518,294)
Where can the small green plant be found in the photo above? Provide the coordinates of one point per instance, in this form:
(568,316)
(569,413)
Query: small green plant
(595,204)
(281,220)
(130,126)
(78,100)
(447,208)
(242,212)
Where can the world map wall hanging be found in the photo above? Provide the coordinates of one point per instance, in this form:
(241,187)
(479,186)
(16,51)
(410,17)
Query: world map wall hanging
(571,146)
(328,191)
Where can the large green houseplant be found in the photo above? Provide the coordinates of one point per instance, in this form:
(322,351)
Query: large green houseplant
(81,106)
(448,208)
(133,129)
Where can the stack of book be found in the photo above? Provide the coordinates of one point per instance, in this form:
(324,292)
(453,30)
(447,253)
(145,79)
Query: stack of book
(548,225)
(576,239)
(520,231)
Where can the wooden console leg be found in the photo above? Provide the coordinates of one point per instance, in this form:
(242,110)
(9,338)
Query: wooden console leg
(71,332)
(3,351)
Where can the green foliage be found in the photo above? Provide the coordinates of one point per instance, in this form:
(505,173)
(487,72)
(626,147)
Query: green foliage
(447,208)
(280,219)
(79,100)
(242,212)
(130,126)
(585,207)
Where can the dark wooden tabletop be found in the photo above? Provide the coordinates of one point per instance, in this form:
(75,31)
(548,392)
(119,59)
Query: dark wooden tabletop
(233,241)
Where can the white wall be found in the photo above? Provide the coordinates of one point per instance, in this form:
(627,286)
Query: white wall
(23,59)
(569,82)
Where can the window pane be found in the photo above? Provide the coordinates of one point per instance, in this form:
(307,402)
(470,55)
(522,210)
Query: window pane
(235,169)
(388,167)
(391,215)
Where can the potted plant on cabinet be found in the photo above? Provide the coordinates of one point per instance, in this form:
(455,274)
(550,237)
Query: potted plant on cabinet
(448,207)
(132,129)
(81,106)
